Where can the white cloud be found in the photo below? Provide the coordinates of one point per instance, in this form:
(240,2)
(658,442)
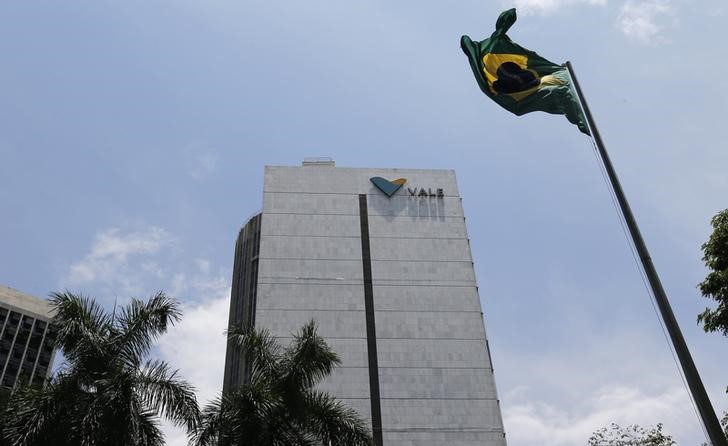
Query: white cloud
(544,7)
(201,161)
(535,422)
(141,261)
(646,21)
(196,346)
(199,284)
(121,260)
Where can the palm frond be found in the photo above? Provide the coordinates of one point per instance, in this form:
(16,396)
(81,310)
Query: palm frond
(127,419)
(260,348)
(248,415)
(149,433)
(333,422)
(33,414)
(212,424)
(81,325)
(92,429)
(308,359)
(252,411)
(139,324)
(162,392)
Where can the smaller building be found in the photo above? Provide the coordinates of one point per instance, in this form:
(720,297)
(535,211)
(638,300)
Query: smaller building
(26,349)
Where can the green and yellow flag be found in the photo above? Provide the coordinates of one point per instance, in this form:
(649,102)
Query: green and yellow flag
(518,79)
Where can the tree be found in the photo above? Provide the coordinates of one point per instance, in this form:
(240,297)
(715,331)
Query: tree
(632,435)
(278,404)
(4,397)
(106,393)
(715,285)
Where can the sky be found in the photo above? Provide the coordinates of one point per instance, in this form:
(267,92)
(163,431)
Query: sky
(133,137)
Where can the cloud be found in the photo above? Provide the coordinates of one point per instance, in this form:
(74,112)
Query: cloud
(138,262)
(544,7)
(196,346)
(201,283)
(201,161)
(121,261)
(528,421)
(646,21)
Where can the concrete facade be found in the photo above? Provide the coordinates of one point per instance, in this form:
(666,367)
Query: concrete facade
(433,371)
(26,349)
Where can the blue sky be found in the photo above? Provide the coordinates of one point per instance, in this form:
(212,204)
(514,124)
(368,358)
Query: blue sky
(133,137)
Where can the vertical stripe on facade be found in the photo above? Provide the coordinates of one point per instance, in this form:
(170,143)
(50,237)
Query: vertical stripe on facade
(370,323)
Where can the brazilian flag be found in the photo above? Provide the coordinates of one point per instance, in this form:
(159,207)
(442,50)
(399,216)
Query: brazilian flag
(518,79)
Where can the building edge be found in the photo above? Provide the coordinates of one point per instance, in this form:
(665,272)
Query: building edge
(26,339)
(242,299)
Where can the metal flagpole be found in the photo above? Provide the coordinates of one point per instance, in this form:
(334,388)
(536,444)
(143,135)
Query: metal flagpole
(707,414)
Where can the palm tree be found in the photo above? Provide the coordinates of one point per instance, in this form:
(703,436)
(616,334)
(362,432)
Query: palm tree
(4,397)
(106,393)
(278,404)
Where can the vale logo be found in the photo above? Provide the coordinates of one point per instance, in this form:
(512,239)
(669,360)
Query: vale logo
(386,186)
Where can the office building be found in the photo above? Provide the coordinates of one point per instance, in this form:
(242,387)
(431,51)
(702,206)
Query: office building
(380,258)
(26,350)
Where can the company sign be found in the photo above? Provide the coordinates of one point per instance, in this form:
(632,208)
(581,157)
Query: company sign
(389,188)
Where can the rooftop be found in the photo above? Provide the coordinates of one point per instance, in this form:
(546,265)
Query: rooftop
(25,303)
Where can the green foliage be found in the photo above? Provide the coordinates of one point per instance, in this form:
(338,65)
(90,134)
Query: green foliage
(106,393)
(632,435)
(278,405)
(715,285)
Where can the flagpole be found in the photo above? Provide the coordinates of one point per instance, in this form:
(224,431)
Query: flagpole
(707,414)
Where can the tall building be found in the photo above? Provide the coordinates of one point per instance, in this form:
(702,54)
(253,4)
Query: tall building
(26,349)
(380,258)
